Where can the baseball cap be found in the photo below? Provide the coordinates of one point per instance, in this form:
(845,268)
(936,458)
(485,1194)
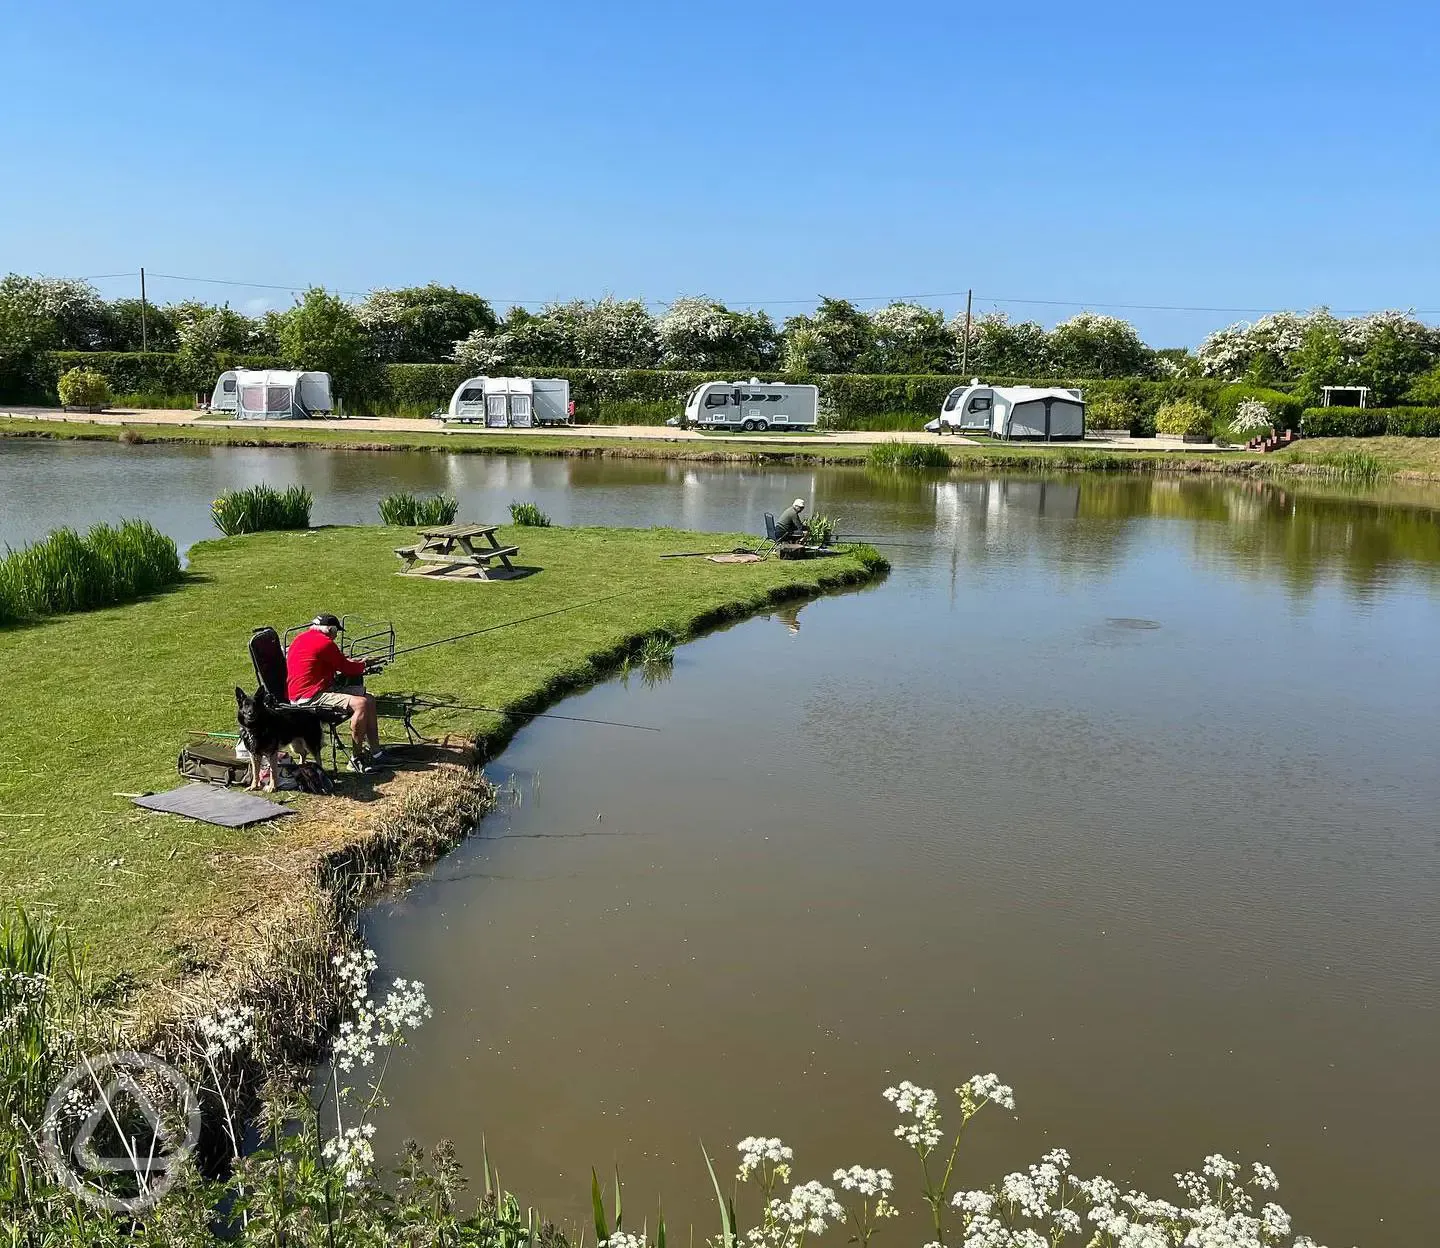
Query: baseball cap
(327,621)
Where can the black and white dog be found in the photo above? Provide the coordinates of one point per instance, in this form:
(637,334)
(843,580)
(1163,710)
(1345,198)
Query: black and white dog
(266,729)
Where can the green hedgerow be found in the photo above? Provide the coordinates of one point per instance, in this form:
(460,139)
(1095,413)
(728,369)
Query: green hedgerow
(1180,417)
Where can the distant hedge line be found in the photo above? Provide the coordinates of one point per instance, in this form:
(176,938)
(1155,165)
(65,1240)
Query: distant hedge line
(650,396)
(1371,422)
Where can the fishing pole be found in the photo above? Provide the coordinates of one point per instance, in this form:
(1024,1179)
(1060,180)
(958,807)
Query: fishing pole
(442,641)
(574,719)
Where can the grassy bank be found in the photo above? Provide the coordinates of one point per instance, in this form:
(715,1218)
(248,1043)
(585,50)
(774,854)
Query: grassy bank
(98,705)
(1410,458)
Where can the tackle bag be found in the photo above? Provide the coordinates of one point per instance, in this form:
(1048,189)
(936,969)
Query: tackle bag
(214,762)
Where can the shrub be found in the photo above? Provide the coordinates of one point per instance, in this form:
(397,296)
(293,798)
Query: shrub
(1142,425)
(908,455)
(83,387)
(406,510)
(1111,410)
(261,507)
(67,572)
(1285,410)
(1251,416)
(528,515)
(1182,417)
(1371,422)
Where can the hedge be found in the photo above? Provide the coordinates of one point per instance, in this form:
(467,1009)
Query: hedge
(650,396)
(1371,422)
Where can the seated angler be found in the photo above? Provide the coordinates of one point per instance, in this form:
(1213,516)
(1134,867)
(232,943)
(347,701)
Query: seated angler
(315,665)
(791,529)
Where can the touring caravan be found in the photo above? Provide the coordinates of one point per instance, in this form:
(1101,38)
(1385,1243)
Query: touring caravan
(511,402)
(754,406)
(272,394)
(1050,413)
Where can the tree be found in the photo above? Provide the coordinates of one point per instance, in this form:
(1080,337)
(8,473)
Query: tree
(1092,345)
(1320,359)
(54,313)
(908,338)
(123,330)
(839,335)
(322,332)
(422,324)
(700,333)
(1001,349)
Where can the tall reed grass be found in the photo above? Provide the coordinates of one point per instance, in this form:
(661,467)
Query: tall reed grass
(262,507)
(408,510)
(897,454)
(69,572)
(1357,466)
(528,515)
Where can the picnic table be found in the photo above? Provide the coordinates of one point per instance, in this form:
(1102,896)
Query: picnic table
(451,552)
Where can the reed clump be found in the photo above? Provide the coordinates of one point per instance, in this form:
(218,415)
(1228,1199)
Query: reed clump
(911,455)
(408,510)
(262,507)
(528,515)
(1357,466)
(69,572)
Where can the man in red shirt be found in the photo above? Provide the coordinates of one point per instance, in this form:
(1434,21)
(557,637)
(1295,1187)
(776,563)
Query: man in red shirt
(313,662)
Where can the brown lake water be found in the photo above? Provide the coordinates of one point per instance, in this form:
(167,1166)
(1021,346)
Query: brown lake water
(1122,788)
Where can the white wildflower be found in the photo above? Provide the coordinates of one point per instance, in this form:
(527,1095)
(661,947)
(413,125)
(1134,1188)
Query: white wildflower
(229,1030)
(977,1203)
(1066,1221)
(622,1239)
(351,1154)
(756,1150)
(811,1207)
(1275,1220)
(921,1104)
(979,1089)
(866,1182)
(1265,1178)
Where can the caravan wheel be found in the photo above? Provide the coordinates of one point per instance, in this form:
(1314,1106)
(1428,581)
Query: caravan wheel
(762,425)
(748,426)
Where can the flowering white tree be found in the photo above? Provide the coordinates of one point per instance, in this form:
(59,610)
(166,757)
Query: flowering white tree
(1091,344)
(908,338)
(700,333)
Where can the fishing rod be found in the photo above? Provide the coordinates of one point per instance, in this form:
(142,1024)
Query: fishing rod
(574,719)
(475,632)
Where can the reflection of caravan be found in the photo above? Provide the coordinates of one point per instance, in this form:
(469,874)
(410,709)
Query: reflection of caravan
(1046,412)
(752,405)
(516,402)
(272,394)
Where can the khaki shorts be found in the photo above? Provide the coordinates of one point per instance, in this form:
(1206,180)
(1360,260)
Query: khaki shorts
(331,700)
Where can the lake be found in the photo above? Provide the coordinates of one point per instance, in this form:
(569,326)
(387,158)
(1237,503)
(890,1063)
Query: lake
(1121,787)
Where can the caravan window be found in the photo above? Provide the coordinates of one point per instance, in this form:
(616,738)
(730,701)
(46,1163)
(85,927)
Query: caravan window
(980,405)
(952,400)
(472,395)
(227,386)
(717,400)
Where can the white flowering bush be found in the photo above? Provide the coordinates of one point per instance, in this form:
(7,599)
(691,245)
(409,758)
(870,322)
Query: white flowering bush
(1251,416)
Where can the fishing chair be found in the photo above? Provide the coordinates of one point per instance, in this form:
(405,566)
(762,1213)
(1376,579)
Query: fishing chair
(268,657)
(768,545)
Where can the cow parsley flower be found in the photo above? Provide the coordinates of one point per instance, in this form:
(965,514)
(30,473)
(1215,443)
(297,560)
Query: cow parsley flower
(351,1153)
(811,1207)
(866,1182)
(229,1030)
(622,1239)
(922,1105)
(756,1150)
(977,1090)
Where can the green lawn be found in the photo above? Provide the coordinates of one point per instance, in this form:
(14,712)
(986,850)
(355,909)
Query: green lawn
(97,705)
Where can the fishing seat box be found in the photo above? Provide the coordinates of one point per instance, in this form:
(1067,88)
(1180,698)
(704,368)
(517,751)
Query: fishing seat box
(213,762)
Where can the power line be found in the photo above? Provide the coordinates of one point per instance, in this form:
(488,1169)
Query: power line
(752,303)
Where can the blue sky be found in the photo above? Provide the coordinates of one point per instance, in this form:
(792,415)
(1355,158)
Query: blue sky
(1230,156)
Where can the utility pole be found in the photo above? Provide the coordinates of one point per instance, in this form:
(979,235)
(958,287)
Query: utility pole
(964,347)
(145,338)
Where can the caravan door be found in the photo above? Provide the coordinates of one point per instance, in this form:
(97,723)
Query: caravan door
(497,410)
(470,402)
(522,408)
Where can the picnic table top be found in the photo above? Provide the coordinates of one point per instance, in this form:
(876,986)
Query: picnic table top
(460,530)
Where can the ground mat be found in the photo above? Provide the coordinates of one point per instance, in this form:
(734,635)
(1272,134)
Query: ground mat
(210,804)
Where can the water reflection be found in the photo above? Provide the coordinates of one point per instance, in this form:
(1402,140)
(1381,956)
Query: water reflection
(1299,537)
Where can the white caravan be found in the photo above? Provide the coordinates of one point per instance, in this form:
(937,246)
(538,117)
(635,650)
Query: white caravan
(1050,413)
(272,394)
(754,406)
(511,402)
